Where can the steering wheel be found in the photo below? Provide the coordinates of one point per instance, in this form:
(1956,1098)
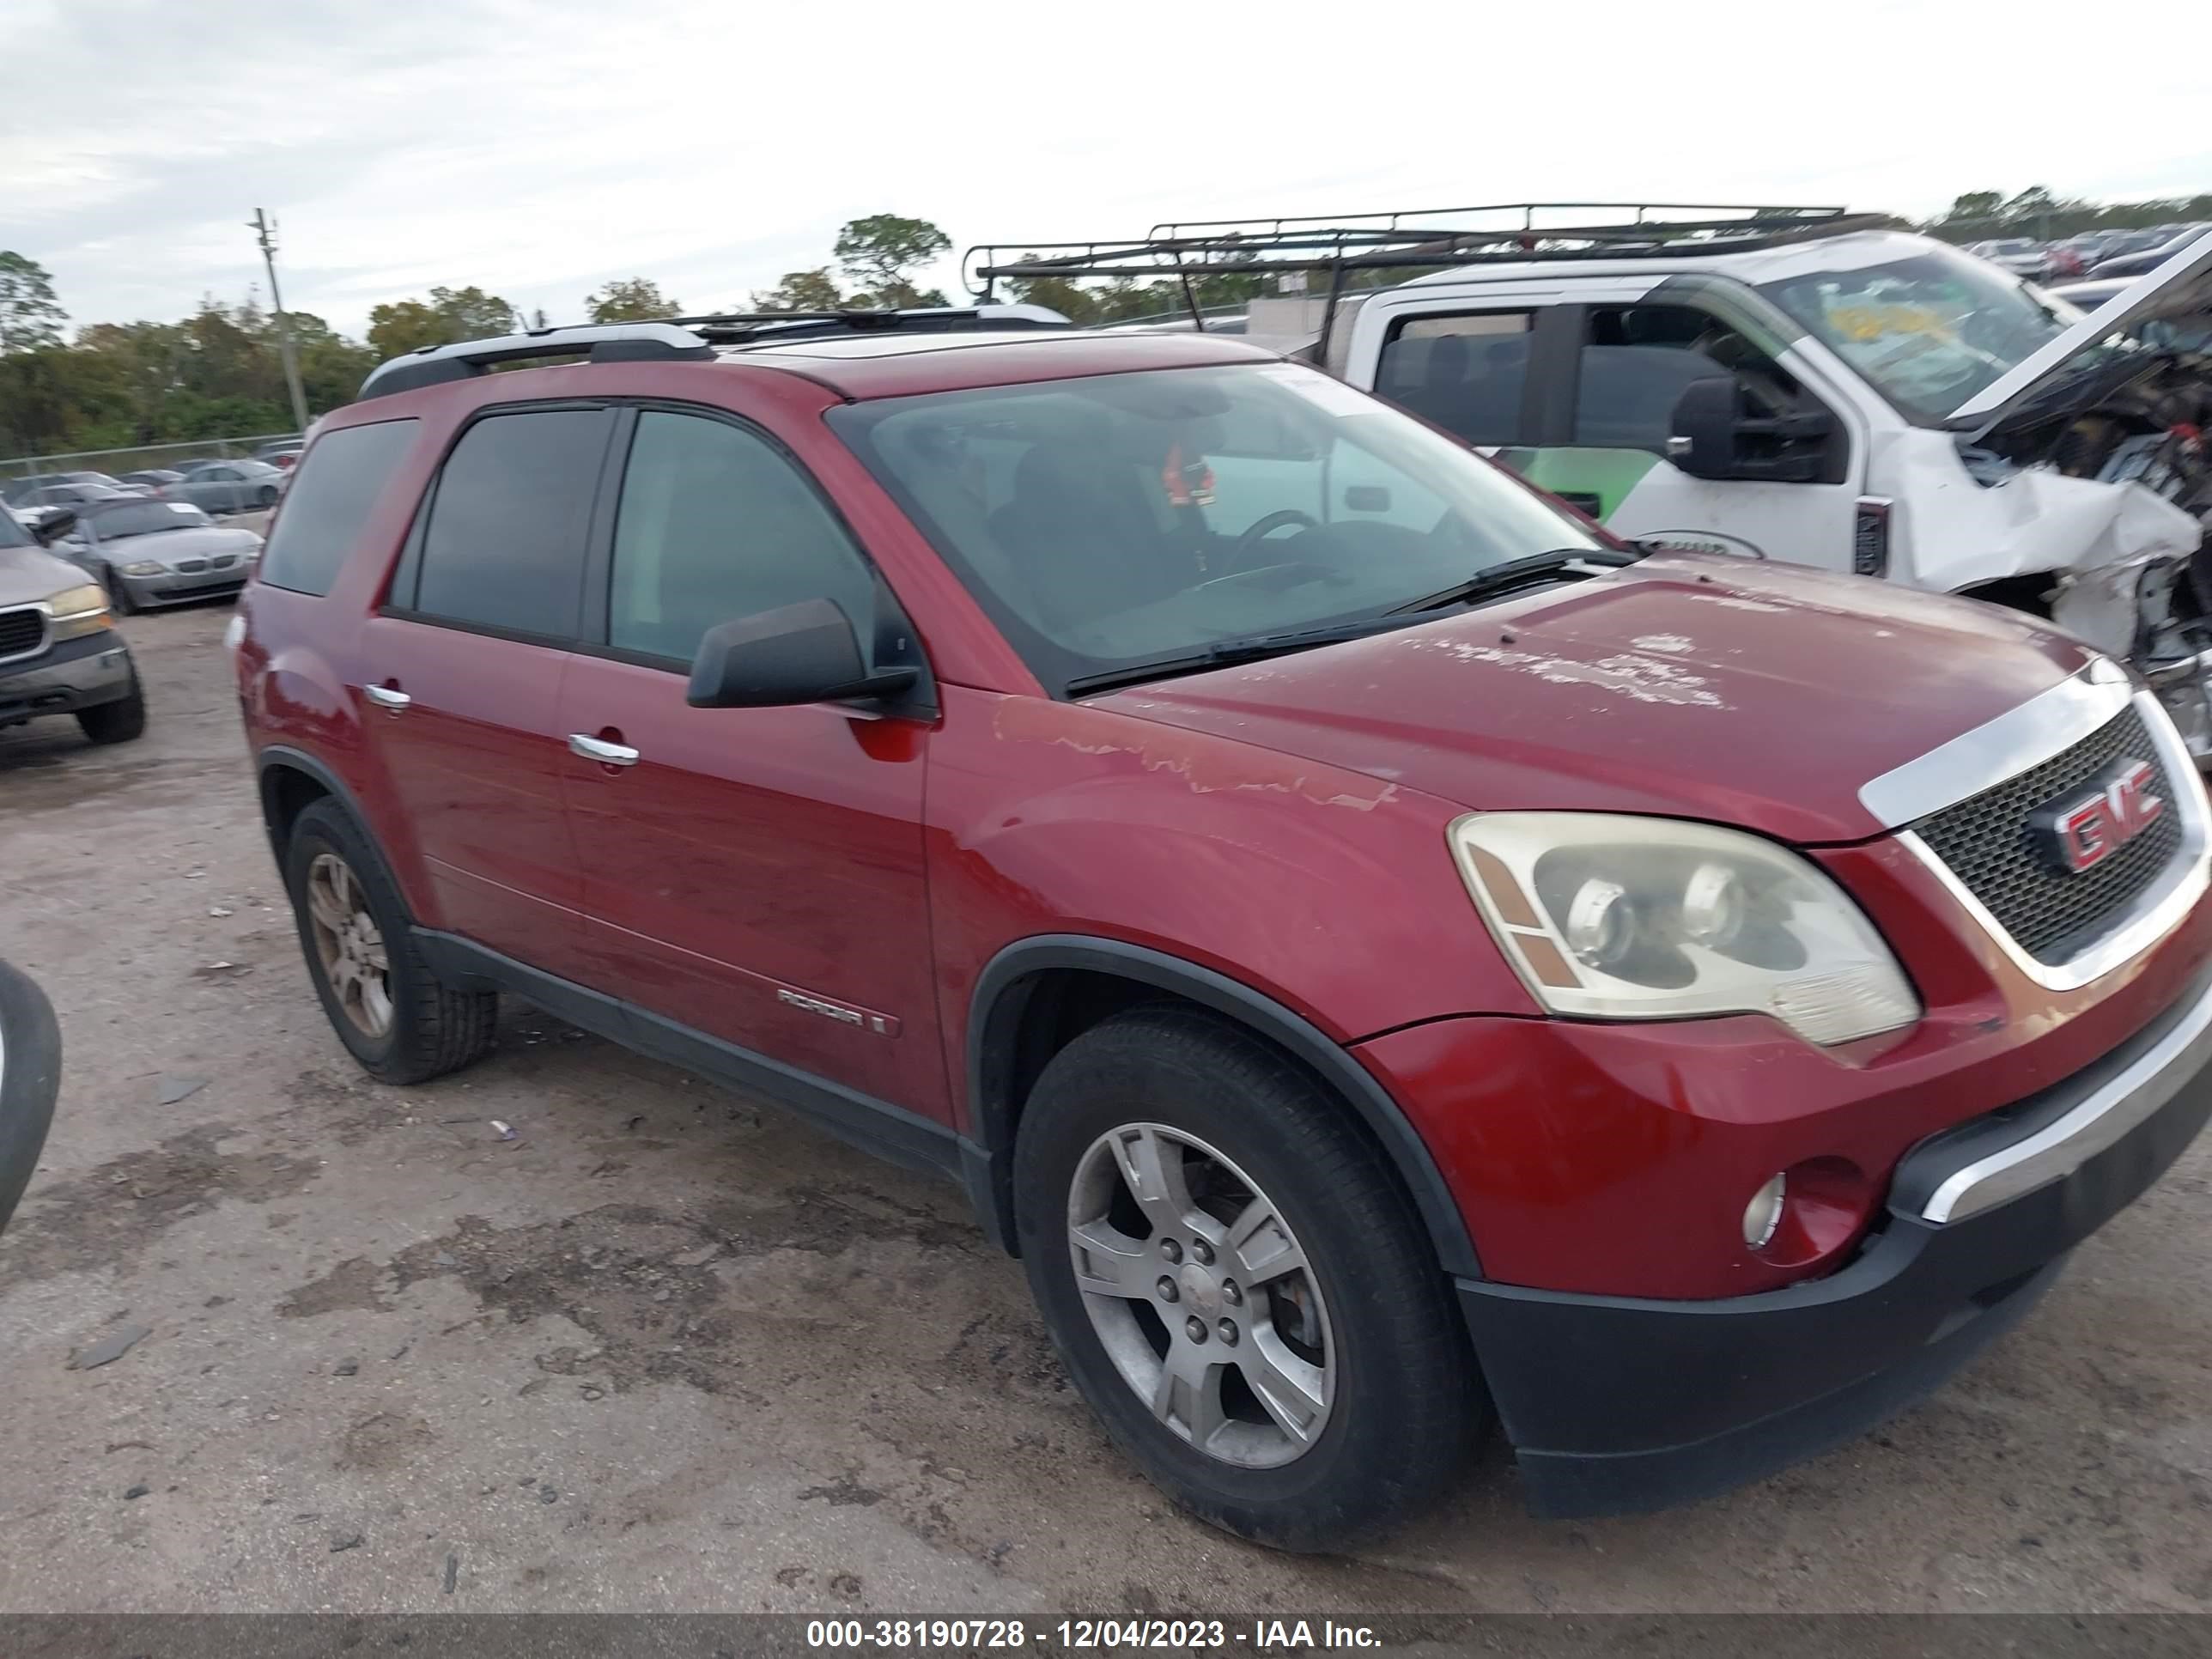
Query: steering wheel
(1281,519)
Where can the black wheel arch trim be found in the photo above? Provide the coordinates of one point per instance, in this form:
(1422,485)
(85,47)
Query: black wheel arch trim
(277,754)
(996,1005)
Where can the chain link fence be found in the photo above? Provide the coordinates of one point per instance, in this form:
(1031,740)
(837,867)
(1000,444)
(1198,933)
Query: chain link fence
(115,462)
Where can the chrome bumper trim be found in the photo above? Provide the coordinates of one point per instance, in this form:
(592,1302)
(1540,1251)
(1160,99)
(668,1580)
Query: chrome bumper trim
(2061,1147)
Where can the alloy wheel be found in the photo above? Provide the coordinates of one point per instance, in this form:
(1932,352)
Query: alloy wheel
(348,945)
(1201,1295)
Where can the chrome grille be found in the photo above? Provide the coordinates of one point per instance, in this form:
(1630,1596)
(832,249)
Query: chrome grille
(21,632)
(1987,842)
(189,567)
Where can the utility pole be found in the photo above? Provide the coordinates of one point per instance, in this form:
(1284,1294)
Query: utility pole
(264,230)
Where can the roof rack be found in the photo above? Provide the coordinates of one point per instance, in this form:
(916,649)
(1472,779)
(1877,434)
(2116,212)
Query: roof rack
(1419,238)
(685,339)
(1428,236)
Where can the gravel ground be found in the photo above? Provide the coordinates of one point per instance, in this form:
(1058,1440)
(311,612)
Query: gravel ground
(667,1349)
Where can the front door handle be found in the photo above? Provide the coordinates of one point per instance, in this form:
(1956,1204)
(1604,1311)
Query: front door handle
(387,696)
(598,748)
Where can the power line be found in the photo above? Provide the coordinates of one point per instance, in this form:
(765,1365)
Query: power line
(264,230)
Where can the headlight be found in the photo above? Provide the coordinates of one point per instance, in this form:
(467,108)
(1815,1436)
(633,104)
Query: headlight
(1612,917)
(145,568)
(77,611)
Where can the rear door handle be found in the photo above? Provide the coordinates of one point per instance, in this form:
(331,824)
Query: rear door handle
(595,749)
(385,696)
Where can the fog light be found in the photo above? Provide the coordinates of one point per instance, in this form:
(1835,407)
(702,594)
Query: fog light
(1764,1213)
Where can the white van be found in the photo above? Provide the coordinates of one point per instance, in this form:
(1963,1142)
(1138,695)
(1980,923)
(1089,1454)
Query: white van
(1812,388)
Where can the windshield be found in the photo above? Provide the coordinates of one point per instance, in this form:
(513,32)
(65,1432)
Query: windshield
(1929,331)
(1118,520)
(145,519)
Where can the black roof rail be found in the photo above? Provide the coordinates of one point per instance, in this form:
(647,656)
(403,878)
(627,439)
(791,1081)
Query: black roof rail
(684,339)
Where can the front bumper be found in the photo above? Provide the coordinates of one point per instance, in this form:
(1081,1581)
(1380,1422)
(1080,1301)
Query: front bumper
(180,587)
(1622,1403)
(73,675)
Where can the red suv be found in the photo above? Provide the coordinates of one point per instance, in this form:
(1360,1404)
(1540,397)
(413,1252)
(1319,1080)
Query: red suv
(1382,952)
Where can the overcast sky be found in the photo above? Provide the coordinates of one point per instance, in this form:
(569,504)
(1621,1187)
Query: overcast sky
(537,148)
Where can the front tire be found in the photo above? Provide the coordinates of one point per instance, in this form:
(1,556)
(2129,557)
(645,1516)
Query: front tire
(116,722)
(118,596)
(1237,1285)
(397,1018)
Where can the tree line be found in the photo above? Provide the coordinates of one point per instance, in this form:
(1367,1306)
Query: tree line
(218,372)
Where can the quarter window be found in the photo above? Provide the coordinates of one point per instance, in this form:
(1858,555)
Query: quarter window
(329,502)
(1464,373)
(716,523)
(504,546)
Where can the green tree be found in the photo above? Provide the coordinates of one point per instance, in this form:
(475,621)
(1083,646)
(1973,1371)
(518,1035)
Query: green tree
(449,314)
(635,300)
(883,251)
(1976,204)
(801,290)
(30,316)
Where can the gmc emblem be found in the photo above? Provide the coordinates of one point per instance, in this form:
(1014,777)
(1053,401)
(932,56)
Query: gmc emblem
(2081,832)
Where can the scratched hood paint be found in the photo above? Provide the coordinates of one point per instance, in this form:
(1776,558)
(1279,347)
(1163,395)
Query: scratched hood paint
(1749,694)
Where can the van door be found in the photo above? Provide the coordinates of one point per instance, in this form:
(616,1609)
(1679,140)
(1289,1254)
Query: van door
(1632,364)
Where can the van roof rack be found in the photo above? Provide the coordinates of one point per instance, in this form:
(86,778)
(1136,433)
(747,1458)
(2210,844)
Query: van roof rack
(686,339)
(1414,238)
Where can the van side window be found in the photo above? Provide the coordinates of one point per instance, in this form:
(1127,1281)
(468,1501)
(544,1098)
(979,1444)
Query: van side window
(1637,360)
(503,550)
(1464,372)
(716,523)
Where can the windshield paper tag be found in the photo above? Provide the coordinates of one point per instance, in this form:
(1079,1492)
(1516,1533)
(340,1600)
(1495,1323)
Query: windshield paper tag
(1329,395)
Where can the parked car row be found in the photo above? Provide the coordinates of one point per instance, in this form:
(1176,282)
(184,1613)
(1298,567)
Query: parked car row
(1382,948)
(219,486)
(2094,253)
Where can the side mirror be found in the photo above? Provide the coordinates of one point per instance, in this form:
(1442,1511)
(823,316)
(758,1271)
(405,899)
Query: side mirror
(53,527)
(798,654)
(1714,437)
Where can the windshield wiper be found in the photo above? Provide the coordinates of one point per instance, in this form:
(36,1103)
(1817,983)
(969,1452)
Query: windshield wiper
(1515,573)
(1248,648)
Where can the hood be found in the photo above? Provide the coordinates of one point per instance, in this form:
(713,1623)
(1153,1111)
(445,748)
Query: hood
(201,542)
(2180,287)
(28,574)
(1687,686)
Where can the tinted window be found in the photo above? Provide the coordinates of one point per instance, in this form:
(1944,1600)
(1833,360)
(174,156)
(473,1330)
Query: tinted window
(1463,373)
(330,501)
(1639,361)
(504,547)
(715,522)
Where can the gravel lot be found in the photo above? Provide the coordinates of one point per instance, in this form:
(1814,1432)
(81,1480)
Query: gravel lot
(667,1349)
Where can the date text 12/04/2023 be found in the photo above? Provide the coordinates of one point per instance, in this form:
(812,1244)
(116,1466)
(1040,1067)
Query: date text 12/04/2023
(1078,1634)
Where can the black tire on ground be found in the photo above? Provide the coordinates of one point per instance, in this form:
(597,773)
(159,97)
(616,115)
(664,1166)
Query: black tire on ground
(116,722)
(118,596)
(1408,1404)
(30,1076)
(266,495)
(435,1028)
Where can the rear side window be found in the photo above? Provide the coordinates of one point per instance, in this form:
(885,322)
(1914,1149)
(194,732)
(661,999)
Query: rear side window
(509,520)
(1464,373)
(330,501)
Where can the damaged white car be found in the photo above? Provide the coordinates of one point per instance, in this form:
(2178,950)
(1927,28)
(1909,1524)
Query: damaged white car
(1798,383)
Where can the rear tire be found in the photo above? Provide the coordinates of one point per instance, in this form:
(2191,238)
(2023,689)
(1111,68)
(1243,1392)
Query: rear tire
(1376,1402)
(116,722)
(396,1017)
(266,496)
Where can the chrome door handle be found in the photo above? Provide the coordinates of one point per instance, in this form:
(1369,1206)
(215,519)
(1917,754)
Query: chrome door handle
(387,696)
(607,754)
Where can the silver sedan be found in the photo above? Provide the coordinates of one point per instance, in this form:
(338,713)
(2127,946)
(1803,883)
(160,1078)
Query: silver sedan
(228,486)
(155,553)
